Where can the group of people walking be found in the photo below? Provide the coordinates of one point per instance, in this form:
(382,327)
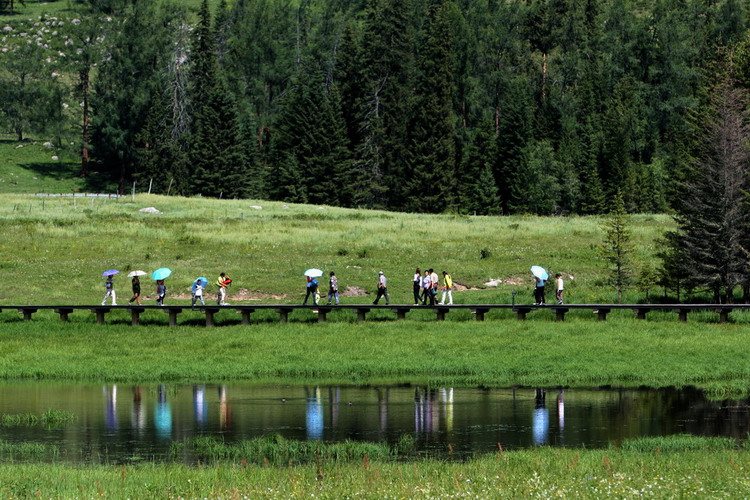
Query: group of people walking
(426,287)
(197,290)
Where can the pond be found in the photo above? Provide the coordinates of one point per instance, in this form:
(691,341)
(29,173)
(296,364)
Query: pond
(117,422)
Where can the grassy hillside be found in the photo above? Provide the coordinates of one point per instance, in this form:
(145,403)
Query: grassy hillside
(61,246)
(30,166)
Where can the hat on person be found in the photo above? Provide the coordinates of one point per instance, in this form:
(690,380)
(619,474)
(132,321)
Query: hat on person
(380,272)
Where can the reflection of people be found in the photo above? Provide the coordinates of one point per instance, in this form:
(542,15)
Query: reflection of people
(333,288)
(225,412)
(538,291)
(312,291)
(382,289)
(559,287)
(314,415)
(138,416)
(109,286)
(447,289)
(200,406)
(110,411)
(223,281)
(540,420)
(163,415)
(136,284)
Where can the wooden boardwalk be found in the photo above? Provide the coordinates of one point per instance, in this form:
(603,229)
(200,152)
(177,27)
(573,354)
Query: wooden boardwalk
(640,311)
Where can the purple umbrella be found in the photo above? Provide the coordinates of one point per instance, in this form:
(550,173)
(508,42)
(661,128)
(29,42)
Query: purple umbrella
(111,272)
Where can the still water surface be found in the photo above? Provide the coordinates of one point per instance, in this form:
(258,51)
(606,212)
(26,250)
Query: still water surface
(122,422)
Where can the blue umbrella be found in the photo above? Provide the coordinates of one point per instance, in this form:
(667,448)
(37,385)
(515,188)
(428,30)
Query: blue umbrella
(539,272)
(111,272)
(160,274)
(203,281)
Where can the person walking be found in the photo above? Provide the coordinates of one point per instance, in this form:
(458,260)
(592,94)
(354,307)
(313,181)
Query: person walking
(109,286)
(417,283)
(539,291)
(559,288)
(161,292)
(333,288)
(136,284)
(223,281)
(435,285)
(312,290)
(382,289)
(447,289)
(427,289)
(198,293)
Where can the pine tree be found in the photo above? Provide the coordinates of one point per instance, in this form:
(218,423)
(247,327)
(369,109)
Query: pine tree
(433,135)
(713,217)
(217,152)
(617,248)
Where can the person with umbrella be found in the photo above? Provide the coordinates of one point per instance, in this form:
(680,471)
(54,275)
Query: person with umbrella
(136,284)
(223,281)
(540,276)
(161,289)
(197,289)
(109,286)
(312,285)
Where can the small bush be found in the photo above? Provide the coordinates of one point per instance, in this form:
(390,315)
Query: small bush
(485,253)
(342,252)
(363,254)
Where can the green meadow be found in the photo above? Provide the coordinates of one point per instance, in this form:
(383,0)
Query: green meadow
(57,248)
(684,467)
(60,246)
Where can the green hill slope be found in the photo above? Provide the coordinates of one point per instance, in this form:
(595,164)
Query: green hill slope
(60,246)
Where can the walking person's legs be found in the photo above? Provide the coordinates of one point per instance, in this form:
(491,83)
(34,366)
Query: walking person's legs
(416,292)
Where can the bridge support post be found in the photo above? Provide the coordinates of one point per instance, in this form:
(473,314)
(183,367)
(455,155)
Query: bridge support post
(522,312)
(361,312)
(601,314)
(440,313)
(100,315)
(640,312)
(246,315)
(283,314)
(560,313)
(135,315)
(63,312)
(173,312)
(401,312)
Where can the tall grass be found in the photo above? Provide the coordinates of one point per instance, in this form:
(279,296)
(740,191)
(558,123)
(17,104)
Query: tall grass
(276,450)
(537,473)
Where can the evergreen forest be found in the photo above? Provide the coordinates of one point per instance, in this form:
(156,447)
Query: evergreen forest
(465,106)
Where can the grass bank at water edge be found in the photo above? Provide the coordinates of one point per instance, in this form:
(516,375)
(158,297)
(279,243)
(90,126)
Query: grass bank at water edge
(712,470)
(577,353)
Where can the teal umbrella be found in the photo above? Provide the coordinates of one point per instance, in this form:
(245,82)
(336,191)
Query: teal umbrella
(161,274)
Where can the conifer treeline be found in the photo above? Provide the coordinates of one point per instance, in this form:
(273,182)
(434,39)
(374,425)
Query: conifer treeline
(493,106)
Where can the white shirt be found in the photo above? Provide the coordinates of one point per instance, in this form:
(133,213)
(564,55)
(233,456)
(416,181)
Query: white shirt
(434,278)
(383,280)
(560,284)
(418,279)
(198,290)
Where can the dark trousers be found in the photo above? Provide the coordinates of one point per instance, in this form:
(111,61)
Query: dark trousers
(539,295)
(382,292)
(310,292)
(417,289)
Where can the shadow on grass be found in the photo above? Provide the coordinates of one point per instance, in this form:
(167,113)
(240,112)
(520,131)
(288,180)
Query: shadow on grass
(96,182)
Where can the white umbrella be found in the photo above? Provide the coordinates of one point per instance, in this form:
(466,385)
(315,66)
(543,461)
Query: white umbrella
(137,273)
(314,273)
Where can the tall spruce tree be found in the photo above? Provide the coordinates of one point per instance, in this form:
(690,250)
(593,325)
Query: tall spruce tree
(712,217)
(433,135)
(217,152)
